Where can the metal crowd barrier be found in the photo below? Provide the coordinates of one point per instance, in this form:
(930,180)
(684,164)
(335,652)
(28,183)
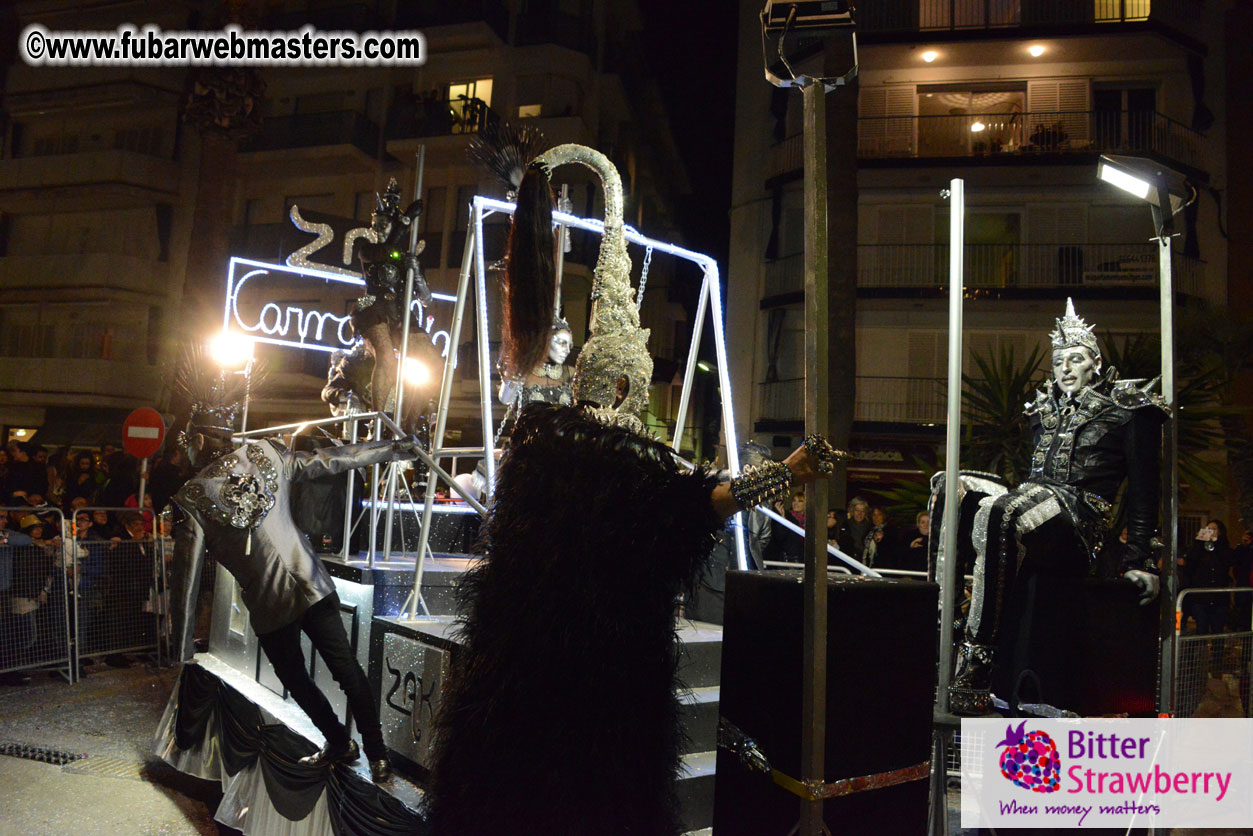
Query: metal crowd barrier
(120,597)
(34,594)
(1213,667)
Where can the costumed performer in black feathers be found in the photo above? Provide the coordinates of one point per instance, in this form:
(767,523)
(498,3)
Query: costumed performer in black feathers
(561,717)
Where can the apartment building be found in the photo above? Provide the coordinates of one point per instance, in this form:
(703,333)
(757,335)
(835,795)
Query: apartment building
(100,179)
(1018,99)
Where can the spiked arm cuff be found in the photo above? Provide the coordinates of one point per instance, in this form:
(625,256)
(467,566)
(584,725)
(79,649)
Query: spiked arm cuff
(762,484)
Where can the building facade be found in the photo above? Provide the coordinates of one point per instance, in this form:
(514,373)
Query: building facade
(1018,100)
(104,188)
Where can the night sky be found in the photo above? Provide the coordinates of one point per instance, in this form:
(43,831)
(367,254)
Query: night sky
(693,44)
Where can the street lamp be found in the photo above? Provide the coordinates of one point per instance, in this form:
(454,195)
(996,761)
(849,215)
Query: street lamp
(1166,191)
(1161,187)
(233,352)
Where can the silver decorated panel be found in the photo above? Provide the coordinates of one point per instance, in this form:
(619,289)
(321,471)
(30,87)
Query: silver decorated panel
(412,686)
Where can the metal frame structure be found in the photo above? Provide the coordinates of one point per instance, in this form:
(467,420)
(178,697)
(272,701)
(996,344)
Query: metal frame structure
(473,265)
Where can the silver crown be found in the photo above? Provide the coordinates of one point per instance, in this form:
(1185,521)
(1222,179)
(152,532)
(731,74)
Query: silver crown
(1072,330)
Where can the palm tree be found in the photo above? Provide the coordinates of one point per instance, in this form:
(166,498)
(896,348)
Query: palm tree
(1197,397)
(997,439)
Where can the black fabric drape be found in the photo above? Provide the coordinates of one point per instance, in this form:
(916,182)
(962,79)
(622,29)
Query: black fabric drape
(355,805)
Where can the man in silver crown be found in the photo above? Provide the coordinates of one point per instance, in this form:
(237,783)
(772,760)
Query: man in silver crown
(1092,432)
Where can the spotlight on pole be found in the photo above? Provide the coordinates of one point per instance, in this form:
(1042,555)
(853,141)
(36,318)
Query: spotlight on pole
(1164,189)
(416,372)
(231,350)
(808,19)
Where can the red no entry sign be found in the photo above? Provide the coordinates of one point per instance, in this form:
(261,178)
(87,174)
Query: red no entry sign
(142,432)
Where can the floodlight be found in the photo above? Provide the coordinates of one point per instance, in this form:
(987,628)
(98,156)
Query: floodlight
(806,15)
(231,350)
(1165,189)
(809,19)
(416,372)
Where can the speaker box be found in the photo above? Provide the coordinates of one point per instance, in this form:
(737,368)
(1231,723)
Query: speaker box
(881,666)
(1082,644)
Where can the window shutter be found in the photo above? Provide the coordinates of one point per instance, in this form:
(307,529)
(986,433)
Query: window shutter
(1067,96)
(879,133)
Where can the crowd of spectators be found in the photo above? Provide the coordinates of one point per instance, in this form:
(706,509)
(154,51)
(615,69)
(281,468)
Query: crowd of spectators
(68,510)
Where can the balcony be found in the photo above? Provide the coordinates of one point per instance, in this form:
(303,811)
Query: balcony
(1005,136)
(312,130)
(1004,267)
(1046,267)
(96,271)
(111,179)
(70,382)
(906,400)
(912,16)
(420,117)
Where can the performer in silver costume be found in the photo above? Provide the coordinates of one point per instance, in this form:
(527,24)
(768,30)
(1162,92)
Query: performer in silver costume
(237,509)
(550,381)
(1092,432)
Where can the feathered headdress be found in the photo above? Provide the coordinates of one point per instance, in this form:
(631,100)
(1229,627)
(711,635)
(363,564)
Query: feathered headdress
(505,150)
(214,397)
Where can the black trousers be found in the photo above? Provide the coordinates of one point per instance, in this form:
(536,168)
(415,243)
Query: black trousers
(322,624)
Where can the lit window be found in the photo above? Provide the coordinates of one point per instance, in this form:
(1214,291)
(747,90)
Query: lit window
(469,101)
(527,111)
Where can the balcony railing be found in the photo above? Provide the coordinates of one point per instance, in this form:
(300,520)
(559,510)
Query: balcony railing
(1023,266)
(417,116)
(1002,266)
(940,15)
(910,400)
(1028,134)
(310,130)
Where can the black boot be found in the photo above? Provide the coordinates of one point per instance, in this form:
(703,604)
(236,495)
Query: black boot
(970,694)
(331,753)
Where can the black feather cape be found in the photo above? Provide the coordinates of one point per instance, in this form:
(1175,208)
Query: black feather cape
(562,717)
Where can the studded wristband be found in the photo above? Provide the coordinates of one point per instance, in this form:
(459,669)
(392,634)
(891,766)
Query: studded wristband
(760,484)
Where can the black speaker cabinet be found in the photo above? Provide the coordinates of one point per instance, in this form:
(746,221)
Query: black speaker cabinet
(881,664)
(1082,644)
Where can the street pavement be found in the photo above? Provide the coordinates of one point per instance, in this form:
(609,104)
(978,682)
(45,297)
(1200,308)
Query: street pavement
(120,788)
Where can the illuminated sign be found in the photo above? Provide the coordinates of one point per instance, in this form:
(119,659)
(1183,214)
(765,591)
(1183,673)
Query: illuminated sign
(254,306)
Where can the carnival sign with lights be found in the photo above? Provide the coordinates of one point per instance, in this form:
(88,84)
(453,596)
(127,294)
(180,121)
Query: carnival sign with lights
(253,299)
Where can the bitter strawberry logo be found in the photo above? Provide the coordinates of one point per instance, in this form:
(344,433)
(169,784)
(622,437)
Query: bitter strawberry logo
(1030,759)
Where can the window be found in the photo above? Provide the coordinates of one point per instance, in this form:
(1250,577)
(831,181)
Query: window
(1122,116)
(469,101)
(992,245)
(529,111)
(960,120)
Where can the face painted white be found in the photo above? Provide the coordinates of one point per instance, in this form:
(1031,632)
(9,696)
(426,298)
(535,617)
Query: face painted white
(1074,368)
(559,347)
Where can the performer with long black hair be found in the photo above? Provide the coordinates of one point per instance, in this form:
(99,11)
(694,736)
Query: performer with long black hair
(561,717)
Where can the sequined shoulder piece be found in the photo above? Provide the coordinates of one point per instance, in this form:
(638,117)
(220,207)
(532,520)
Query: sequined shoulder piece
(243,498)
(1129,396)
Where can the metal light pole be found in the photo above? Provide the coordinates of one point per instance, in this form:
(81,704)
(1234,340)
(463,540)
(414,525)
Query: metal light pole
(1170,504)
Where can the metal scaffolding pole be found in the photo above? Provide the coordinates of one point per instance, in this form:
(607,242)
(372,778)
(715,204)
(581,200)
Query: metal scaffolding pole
(814,683)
